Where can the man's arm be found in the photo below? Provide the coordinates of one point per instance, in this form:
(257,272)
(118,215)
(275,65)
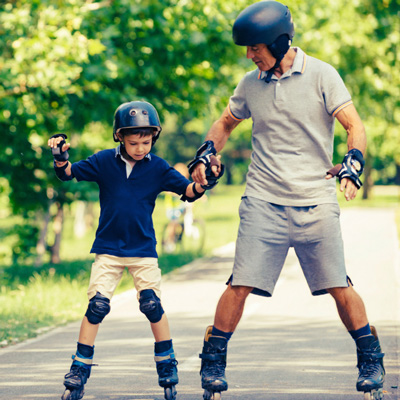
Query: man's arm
(356,139)
(219,134)
(351,121)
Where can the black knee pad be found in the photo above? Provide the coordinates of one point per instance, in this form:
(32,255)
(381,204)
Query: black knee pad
(150,305)
(98,308)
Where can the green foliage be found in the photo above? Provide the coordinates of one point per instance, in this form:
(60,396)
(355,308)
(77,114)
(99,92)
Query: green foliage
(66,65)
(361,39)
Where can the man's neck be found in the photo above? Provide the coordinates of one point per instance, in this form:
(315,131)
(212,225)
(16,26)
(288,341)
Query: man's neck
(286,63)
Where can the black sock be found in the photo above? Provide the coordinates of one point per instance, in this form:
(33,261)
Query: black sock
(163,346)
(85,350)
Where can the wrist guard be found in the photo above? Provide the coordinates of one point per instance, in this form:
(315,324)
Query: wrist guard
(60,172)
(57,152)
(203,155)
(352,167)
(212,180)
(197,195)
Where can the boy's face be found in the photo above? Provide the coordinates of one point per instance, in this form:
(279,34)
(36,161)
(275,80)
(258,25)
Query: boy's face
(136,146)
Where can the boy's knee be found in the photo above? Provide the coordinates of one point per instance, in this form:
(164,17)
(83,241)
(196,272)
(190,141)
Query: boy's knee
(98,308)
(150,305)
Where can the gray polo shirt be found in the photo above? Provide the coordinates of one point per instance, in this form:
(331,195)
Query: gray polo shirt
(293,130)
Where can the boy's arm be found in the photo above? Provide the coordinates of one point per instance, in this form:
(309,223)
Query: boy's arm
(194,190)
(59,149)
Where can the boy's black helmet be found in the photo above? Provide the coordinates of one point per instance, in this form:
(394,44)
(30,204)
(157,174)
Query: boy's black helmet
(268,22)
(136,114)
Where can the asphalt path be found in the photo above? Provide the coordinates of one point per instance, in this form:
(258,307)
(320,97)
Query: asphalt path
(290,346)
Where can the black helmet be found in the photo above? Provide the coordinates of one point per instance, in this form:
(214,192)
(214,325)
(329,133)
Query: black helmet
(266,22)
(136,114)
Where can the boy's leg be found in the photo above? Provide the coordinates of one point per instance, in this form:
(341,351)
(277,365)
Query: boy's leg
(147,279)
(105,275)
(88,332)
(76,378)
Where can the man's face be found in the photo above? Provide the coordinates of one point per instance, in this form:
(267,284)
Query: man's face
(261,56)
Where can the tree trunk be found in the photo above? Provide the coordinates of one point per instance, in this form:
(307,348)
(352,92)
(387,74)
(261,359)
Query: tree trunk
(80,223)
(58,225)
(368,184)
(41,244)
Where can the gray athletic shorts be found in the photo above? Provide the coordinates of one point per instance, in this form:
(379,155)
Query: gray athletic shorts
(267,231)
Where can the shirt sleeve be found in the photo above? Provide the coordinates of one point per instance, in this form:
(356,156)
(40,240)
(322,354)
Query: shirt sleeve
(174,181)
(86,170)
(238,102)
(334,91)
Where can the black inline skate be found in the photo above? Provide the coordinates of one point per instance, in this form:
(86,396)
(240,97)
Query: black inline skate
(370,364)
(76,378)
(167,374)
(213,364)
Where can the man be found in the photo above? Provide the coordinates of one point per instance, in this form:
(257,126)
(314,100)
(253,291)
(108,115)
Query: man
(290,200)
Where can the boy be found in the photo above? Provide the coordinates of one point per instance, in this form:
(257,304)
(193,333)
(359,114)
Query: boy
(129,179)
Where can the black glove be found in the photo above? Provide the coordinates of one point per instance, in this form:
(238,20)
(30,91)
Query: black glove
(57,152)
(203,155)
(351,168)
(210,176)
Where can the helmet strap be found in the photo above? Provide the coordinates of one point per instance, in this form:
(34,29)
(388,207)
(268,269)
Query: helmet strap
(268,78)
(278,49)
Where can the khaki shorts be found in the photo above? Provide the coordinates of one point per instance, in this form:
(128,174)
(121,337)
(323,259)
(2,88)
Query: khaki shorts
(107,272)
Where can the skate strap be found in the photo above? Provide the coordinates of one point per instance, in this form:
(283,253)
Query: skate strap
(164,358)
(213,357)
(87,361)
(365,357)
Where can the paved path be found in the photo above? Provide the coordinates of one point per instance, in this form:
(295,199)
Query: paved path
(291,346)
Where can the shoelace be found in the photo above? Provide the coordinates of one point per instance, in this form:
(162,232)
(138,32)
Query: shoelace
(215,368)
(78,372)
(165,369)
(369,369)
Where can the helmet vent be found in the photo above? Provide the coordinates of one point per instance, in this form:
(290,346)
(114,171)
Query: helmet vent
(132,112)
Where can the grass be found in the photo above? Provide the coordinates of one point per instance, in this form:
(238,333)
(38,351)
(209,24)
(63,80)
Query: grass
(36,299)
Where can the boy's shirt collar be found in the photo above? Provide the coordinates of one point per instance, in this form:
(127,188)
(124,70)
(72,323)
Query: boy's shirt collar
(119,154)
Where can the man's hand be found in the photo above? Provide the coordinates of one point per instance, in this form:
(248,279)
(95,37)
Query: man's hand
(346,185)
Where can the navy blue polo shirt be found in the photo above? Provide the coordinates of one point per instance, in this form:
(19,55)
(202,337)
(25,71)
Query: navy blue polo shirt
(127,203)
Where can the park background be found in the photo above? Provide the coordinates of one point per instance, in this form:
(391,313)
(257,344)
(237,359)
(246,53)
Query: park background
(65,66)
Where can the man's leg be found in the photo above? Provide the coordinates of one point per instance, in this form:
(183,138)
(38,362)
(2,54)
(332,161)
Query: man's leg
(369,354)
(350,307)
(213,357)
(230,308)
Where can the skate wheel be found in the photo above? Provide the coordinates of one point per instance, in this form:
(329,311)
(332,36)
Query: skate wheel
(211,395)
(374,395)
(72,395)
(170,393)
(66,395)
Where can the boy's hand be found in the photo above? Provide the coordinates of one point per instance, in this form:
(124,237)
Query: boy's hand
(214,171)
(199,174)
(59,148)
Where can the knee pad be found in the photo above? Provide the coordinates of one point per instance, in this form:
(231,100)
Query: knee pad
(98,308)
(150,305)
